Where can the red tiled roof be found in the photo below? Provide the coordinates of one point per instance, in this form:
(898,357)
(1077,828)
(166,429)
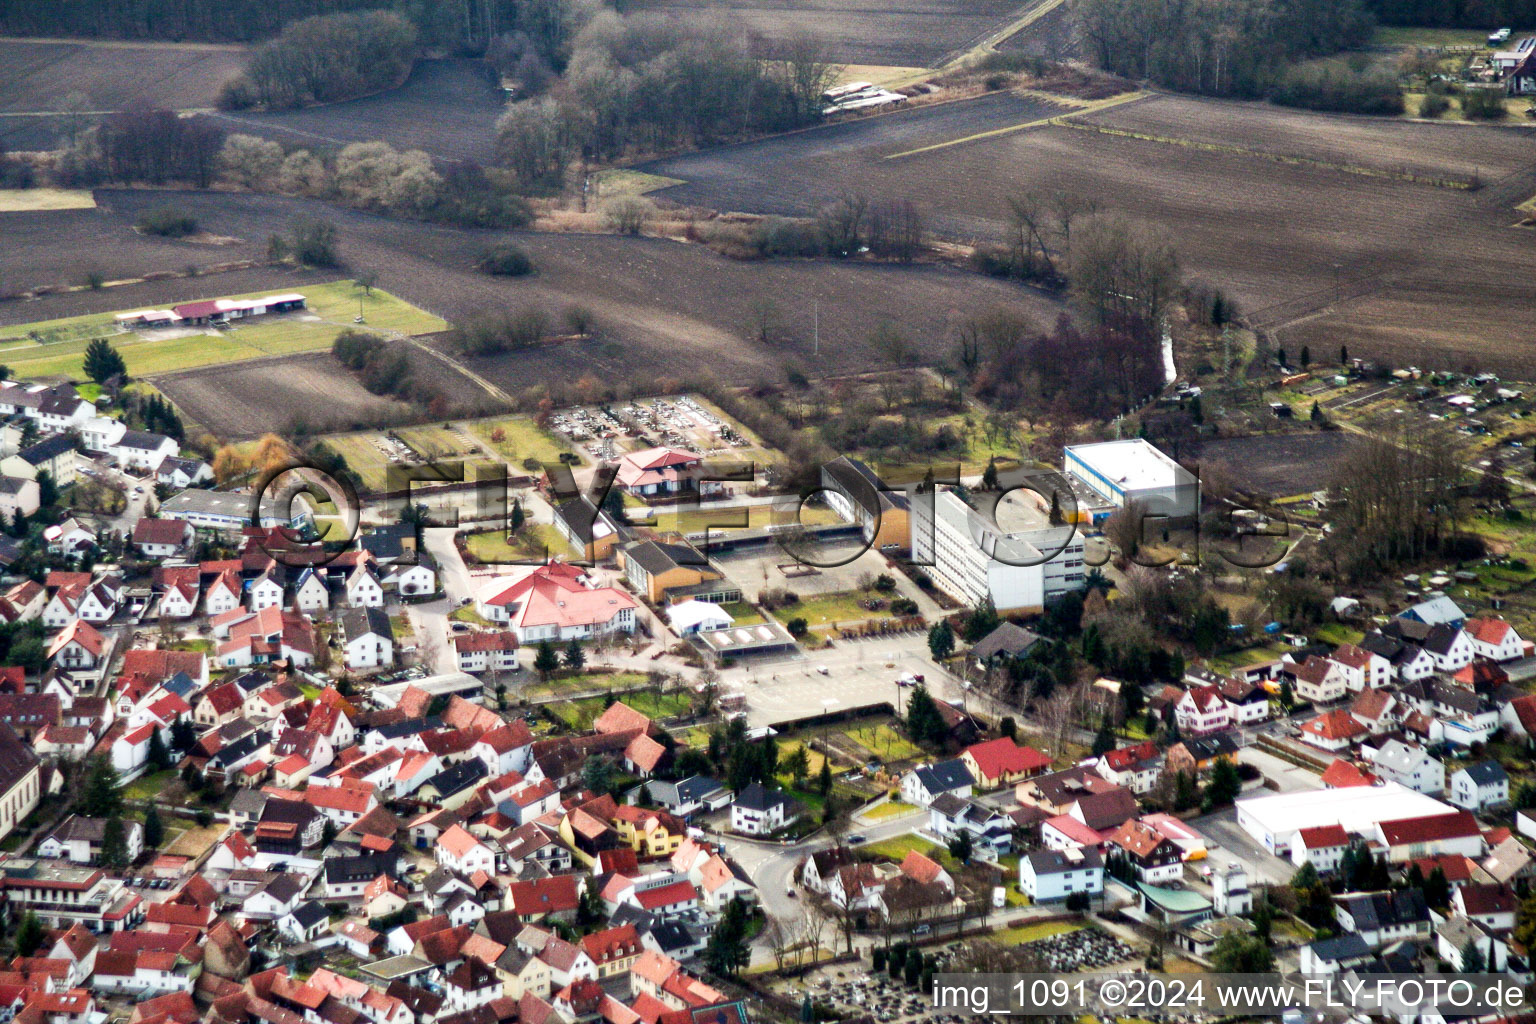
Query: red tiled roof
(1341,774)
(1337,724)
(1000,757)
(1429,828)
(1324,837)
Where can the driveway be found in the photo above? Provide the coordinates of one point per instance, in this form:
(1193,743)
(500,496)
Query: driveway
(1228,842)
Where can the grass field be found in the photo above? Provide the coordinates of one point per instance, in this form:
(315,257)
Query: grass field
(885,742)
(1031,932)
(55,348)
(520,438)
(897,848)
(1395,35)
(889,809)
(742,613)
(532,541)
(580,714)
(620,181)
(584,683)
(27,200)
(826,609)
(723,519)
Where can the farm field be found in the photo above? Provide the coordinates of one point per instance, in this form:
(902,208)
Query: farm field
(662,309)
(1278,465)
(60,344)
(920,33)
(447,108)
(35,76)
(245,400)
(1267,231)
(27,200)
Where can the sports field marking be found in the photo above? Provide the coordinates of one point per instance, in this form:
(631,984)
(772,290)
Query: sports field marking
(1113,101)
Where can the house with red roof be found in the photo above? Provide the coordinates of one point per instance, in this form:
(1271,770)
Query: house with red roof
(1342,774)
(163,538)
(1494,639)
(1136,767)
(486,651)
(613,950)
(1002,762)
(657,472)
(78,646)
(460,852)
(556,602)
(1323,847)
(1429,835)
(1333,730)
(535,899)
(1203,711)
(262,637)
(1361,669)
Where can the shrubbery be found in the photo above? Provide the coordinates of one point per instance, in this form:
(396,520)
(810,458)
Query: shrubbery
(504,260)
(1340,91)
(493,333)
(1483,104)
(323,59)
(167,222)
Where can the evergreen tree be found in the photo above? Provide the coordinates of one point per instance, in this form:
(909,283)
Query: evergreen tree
(114,844)
(1104,739)
(982,620)
(1472,959)
(1437,890)
(517,514)
(727,951)
(989,475)
(1185,794)
(1008,727)
(1197,410)
(546,660)
(1343,355)
(575,657)
(941,641)
(100,797)
(1306,356)
(924,723)
(1316,415)
(824,778)
(47,490)
(1224,784)
(159,756)
(1287,697)
(103,362)
(154,831)
(961,847)
(1055,516)
(29,934)
(183,735)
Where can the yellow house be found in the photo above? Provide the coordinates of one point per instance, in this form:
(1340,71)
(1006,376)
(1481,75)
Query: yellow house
(613,950)
(587,835)
(649,833)
(522,974)
(656,570)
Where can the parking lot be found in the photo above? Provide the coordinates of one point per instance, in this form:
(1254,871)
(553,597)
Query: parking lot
(1228,842)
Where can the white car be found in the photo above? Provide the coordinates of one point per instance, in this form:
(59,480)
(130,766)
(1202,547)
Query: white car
(822,670)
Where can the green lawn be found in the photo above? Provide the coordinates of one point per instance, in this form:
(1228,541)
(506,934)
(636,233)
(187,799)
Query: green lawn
(722,519)
(585,682)
(827,609)
(31,200)
(467,613)
(534,540)
(1037,930)
(516,438)
(897,848)
(1391,35)
(54,348)
(884,742)
(889,809)
(743,613)
(146,787)
(580,714)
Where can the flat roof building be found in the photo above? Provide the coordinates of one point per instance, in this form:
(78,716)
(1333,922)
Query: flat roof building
(1133,470)
(1274,820)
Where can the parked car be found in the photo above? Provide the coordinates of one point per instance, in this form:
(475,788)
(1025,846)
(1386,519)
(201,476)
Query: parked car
(856,839)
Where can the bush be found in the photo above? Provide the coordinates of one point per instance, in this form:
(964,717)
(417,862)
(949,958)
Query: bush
(504,260)
(167,222)
(493,333)
(353,348)
(1433,105)
(903,606)
(1483,105)
(1321,88)
(797,627)
(627,214)
(781,236)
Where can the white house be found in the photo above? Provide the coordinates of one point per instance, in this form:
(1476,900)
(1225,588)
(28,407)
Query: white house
(1480,786)
(410,580)
(923,784)
(758,811)
(1409,766)
(222,595)
(141,451)
(264,592)
(1049,875)
(463,854)
(305,923)
(556,602)
(310,593)
(1202,711)
(1494,639)
(163,538)
(1381,918)
(363,588)
(79,839)
(1322,846)
(370,639)
(1362,669)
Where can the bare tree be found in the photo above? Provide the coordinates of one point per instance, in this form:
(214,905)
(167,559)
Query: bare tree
(1061,714)
(816,920)
(1125,527)
(808,69)
(1028,221)
(841,224)
(779,939)
(763,320)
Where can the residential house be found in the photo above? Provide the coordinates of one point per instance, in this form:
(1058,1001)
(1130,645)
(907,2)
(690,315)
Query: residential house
(923,784)
(1480,786)
(759,811)
(1202,711)
(1046,876)
(1153,857)
(556,602)
(1135,767)
(1410,766)
(1494,639)
(1002,762)
(18,495)
(1381,918)
(370,639)
(163,538)
(486,651)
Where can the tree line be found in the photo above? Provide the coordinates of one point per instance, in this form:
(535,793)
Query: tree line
(1221,47)
(646,83)
(1478,14)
